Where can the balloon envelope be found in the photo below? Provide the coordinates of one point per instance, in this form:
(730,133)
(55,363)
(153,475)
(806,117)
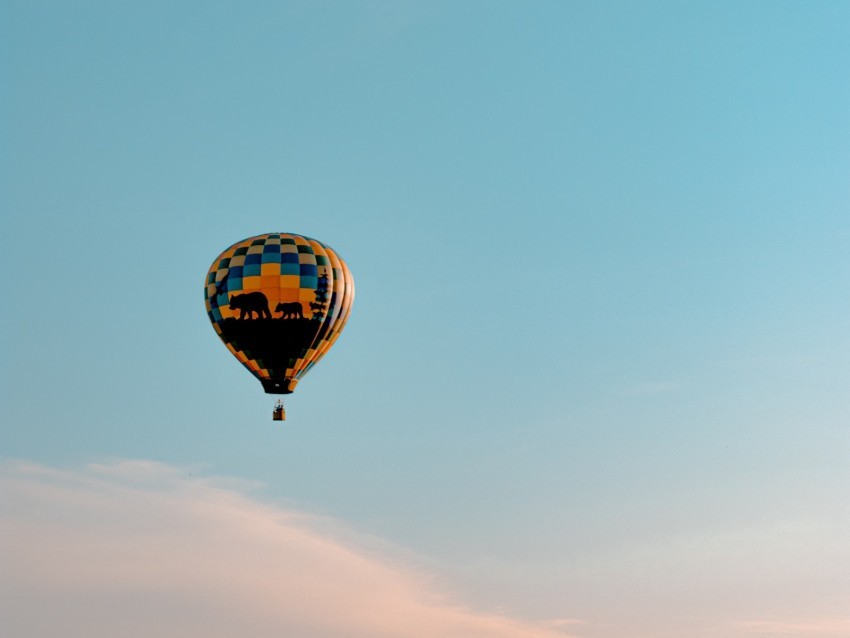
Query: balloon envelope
(278,302)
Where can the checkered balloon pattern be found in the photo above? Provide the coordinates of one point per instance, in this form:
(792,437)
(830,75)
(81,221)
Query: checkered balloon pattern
(279,302)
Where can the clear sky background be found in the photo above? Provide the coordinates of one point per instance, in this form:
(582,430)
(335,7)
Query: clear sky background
(595,381)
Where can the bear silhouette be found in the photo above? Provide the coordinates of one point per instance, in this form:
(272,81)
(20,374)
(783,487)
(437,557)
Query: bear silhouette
(249,303)
(293,309)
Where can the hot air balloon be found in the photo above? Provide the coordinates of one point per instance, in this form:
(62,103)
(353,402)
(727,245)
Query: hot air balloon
(279,302)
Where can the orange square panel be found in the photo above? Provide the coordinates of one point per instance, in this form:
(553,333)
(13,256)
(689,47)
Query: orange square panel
(252,283)
(290,281)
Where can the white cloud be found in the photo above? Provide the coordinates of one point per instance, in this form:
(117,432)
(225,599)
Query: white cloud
(140,549)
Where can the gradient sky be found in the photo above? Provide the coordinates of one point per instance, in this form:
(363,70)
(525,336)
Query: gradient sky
(595,381)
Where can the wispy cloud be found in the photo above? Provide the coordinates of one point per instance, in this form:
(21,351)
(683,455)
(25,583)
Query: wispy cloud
(139,548)
(795,629)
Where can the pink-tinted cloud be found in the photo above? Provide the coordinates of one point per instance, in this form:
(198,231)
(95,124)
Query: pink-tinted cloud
(139,549)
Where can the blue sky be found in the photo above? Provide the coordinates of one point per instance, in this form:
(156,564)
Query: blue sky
(597,367)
